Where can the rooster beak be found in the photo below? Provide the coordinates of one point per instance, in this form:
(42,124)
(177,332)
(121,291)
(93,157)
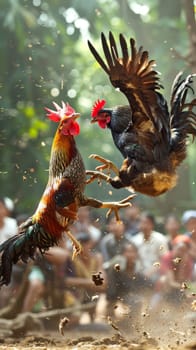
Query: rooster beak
(94,120)
(76,116)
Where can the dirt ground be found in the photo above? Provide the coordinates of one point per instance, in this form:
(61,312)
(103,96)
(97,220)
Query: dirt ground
(166,329)
(87,342)
(90,337)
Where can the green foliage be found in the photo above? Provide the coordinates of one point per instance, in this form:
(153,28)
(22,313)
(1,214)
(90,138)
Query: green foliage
(44,57)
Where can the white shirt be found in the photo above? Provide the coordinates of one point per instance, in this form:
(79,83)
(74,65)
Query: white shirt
(9,229)
(151,250)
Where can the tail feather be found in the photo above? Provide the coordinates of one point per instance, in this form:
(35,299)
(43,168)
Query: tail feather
(183,115)
(22,246)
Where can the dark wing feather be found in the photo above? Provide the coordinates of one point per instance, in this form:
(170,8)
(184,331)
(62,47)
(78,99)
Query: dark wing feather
(183,115)
(98,58)
(113,46)
(133,74)
(64,195)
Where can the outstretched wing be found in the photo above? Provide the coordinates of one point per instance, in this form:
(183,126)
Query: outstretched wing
(135,76)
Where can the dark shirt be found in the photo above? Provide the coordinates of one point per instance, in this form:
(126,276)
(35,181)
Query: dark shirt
(122,283)
(110,247)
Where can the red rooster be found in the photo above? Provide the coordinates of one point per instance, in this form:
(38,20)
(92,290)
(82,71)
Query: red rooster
(152,140)
(63,195)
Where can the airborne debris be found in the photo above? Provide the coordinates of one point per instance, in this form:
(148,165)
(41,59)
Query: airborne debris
(63,322)
(193,305)
(184,286)
(117,267)
(177,332)
(95,297)
(97,279)
(113,325)
(146,334)
(156,264)
(177,260)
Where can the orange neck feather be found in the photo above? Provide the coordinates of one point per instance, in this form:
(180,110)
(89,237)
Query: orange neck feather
(63,143)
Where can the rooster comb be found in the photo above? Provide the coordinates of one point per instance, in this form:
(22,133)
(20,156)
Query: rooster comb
(60,112)
(98,105)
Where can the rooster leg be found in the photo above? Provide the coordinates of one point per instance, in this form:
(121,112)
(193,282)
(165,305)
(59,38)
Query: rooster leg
(77,248)
(107,164)
(115,206)
(121,181)
(97,175)
(67,213)
(112,206)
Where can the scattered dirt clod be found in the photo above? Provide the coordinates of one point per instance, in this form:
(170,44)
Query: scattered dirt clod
(97,279)
(62,324)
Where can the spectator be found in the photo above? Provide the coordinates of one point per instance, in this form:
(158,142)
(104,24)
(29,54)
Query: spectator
(46,284)
(176,269)
(18,269)
(84,224)
(8,225)
(113,242)
(131,217)
(189,221)
(172,227)
(9,205)
(125,282)
(151,246)
(8,228)
(79,273)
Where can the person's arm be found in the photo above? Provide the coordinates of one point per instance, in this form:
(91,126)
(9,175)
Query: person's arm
(171,280)
(85,283)
(57,255)
(167,278)
(100,265)
(192,250)
(103,248)
(88,282)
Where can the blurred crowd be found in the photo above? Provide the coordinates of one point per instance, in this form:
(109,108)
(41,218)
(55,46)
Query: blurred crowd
(139,266)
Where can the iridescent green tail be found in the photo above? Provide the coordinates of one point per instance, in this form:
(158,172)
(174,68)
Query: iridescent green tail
(23,246)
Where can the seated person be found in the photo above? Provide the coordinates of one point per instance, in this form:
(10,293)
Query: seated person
(78,275)
(151,246)
(131,218)
(45,281)
(189,221)
(112,243)
(8,228)
(176,269)
(125,281)
(172,227)
(84,223)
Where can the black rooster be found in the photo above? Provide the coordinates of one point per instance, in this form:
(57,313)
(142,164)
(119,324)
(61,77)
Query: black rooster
(151,139)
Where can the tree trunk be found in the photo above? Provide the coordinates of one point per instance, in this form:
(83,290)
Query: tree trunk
(188,6)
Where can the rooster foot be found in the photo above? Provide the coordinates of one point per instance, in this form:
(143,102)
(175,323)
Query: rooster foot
(77,248)
(115,206)
(107,164)
(96,175)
